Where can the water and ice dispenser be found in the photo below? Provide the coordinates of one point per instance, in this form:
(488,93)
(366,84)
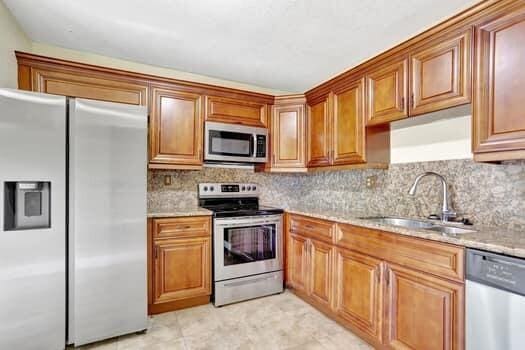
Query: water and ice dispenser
(27,205)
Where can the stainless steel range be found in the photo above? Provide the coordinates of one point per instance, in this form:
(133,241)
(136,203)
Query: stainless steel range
(247,242)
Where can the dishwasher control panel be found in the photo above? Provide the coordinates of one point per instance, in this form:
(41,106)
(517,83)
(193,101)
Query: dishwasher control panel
(496,270)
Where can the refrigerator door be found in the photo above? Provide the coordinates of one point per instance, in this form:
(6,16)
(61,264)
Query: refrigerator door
(33,258)
(107,220)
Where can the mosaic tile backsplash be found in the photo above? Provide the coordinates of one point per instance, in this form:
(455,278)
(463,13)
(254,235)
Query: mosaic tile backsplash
(488,194)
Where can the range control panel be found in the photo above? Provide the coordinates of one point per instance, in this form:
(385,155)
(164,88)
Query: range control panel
(228,190)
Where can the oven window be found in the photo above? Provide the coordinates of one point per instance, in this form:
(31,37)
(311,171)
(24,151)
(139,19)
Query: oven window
(228,143)
(248,244)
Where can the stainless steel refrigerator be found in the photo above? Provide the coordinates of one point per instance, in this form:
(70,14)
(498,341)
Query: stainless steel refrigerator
(72,220)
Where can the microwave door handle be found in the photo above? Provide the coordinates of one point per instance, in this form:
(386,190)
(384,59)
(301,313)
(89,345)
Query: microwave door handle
(254,145)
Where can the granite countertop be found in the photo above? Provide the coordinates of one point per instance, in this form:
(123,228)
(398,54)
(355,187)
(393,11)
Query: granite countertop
(178,211)
(485,238)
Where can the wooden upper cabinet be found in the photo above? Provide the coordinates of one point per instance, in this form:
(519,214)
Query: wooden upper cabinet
(441,73)
(288,135)
(193,280)
(424,312)
(318,129)
(348,125)
(499,88)
(90,86)
(321,272)
(386,91)
(236,111)
(358,291)
(297,260)
(176,127)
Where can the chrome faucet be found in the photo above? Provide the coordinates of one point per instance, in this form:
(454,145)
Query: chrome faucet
(447,213)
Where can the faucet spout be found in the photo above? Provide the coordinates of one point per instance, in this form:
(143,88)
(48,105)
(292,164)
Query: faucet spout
(446,210)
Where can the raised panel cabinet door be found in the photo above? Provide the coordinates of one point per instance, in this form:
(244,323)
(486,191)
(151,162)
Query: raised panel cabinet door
(176,128)
(228,110)
(297,260)
(424,312)
(441,74)
(349,124)
(91,86)
(358,291)
(288,137)
(499,87)
(182,268)
(386,90)
(319,133)
(321,272)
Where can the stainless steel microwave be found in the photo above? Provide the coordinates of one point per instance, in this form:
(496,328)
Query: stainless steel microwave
(235,143)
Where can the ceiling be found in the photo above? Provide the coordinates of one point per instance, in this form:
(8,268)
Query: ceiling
(288,45)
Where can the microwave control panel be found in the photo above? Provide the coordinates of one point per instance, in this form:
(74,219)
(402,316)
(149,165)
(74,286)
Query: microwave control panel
(260,149)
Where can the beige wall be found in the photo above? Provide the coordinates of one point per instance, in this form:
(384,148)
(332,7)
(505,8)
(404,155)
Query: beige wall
(90,58)
(440,135)
(11,38)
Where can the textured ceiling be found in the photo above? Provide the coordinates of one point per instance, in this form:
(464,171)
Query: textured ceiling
(289,45)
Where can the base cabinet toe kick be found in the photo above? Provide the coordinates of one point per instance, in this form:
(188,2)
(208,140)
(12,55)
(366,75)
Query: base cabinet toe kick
(394,291)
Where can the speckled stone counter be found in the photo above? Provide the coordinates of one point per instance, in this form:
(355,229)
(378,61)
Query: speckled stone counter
(178,212)
(486,238)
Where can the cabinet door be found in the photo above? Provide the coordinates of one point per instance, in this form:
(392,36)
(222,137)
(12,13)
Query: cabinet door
(227,110)
(176,128)
(88,85)
(288,137)
(319,133)
(441,74)
(321,272)
(348,126)
(297,261)
(358,291)
(499,85)
(182,268)
(424,312)
(386,89)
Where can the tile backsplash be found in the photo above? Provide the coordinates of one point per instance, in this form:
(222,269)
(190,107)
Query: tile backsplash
(488,194)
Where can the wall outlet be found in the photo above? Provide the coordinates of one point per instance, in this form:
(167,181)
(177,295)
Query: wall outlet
(167,180)
(371,181)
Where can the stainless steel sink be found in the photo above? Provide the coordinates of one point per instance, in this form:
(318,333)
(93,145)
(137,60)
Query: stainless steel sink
(408,223)
(419,224)
(449,230)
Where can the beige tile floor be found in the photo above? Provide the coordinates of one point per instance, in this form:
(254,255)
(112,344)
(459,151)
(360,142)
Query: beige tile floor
(275,322)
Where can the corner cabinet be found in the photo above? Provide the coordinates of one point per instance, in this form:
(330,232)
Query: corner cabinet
(394,291)
(179,263)
(176,127)
(499,86)
(288,134)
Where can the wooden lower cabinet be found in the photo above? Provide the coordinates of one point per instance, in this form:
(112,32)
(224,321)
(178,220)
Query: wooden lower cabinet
(359,291)
(388,305)
(297,258)
(424,312)
(320,272)
(180,268)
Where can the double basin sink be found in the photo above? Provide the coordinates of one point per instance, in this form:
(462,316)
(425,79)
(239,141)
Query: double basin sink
(419,224)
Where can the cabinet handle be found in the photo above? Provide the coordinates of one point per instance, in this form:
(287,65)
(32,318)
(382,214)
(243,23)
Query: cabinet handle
(403,102)
(273,158)
(378,274)
(387,271)
(412,101)
(156,253)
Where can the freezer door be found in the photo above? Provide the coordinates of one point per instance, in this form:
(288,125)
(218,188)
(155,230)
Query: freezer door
(107,227)
(33,260)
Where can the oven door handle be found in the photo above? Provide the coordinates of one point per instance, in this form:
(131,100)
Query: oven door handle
(248,220)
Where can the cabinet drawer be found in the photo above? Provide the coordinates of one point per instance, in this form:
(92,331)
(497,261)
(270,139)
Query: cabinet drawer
(440,259)
(315,228)
(181,227)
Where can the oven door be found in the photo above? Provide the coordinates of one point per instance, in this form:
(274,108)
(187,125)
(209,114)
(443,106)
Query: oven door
(235,143)
(247,246)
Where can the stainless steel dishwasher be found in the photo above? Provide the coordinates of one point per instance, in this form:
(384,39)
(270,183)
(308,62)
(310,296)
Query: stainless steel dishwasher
(495,301)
